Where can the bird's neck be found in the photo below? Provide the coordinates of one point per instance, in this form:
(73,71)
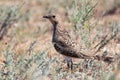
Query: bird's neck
(54,31)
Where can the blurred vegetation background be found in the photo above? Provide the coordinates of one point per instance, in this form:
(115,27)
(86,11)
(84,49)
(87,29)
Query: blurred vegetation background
(25,39)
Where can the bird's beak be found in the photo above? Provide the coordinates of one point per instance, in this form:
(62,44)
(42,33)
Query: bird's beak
(45,17)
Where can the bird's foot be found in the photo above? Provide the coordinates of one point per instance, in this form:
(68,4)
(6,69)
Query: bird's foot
(69,62)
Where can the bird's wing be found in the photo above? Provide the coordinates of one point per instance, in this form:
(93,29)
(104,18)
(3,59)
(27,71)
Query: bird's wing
(69,46)
(66,41)
(68,50)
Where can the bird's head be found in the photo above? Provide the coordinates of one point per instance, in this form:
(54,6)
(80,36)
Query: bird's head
(51,18)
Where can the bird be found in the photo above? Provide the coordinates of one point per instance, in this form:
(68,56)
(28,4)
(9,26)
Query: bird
(63,42)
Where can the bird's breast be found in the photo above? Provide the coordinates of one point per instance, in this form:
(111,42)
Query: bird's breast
(57,47)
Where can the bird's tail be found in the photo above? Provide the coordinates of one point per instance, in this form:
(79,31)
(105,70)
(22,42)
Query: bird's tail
(104,58)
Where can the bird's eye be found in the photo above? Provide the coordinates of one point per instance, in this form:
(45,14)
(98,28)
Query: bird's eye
(53,16)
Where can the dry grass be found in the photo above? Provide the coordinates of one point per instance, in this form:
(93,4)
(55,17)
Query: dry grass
(28,54)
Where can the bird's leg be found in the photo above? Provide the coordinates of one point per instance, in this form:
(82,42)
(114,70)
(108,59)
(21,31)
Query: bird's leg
(69,62)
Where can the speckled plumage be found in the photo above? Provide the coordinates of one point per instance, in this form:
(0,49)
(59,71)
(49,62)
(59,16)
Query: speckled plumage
(63,43)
